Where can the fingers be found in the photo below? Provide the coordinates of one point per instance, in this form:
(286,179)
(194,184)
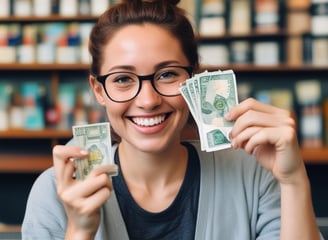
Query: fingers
(252,113)
(95,186)
(63,162)
(253,137)
(98,179)
(254,105)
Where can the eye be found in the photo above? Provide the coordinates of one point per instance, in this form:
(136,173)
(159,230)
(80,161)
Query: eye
(121,78)
(167,74)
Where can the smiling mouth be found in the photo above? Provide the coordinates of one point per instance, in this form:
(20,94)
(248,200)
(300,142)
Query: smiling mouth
(150,121)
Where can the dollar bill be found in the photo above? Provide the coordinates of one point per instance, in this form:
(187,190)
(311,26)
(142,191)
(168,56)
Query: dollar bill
(210,95)
(94,138)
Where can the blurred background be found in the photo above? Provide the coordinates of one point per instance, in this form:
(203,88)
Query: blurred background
(278,50)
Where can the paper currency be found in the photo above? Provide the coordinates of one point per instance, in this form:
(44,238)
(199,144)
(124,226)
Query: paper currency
(210,95)
(94,138)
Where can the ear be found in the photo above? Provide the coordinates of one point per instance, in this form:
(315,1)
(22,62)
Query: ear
(97,90)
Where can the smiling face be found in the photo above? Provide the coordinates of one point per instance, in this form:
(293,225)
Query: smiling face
(149,122)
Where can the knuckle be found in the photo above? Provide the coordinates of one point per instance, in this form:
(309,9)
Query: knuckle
(56,149)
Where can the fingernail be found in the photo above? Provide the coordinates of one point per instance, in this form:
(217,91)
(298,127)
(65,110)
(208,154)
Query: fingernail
(84,152)
(113,172)
(227,116)
(230,136)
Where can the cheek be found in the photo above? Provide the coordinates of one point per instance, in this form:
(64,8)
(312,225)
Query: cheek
(182,106)
(114,111)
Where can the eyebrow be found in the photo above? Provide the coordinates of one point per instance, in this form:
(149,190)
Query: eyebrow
(133,69)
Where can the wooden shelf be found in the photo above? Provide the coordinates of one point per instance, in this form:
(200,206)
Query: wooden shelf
(51,18)
(236,67)
(251,68)
(251,35)
(36,134)
(44,67)
(10,228)
(319,155)
(24,163)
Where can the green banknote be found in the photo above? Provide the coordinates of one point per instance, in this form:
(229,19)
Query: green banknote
(210,95)
(94,138)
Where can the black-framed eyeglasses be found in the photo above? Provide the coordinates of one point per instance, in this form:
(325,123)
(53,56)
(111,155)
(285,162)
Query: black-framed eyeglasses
(124,86)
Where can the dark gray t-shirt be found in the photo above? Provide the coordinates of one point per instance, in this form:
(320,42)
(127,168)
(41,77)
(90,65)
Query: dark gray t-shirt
(178,221)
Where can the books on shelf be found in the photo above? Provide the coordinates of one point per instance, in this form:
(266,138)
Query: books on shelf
(266,15)
(27,49)
(266,53)
(319,18)
(32,105)
(279,97)
(68,7)
(320,51)
(240,52)
(9,40)
(54,42)
(315,50)
(240,17)
(5,8)
(22,8)
(33,111)
(295,50)
(98,6)
(308,94)
(68,47)
(5,93)
(298,4)
(298,22)
(212,18)
(41,8)
(307,48)
(213,54)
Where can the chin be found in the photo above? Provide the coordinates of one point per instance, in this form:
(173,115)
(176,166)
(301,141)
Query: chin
(155,145)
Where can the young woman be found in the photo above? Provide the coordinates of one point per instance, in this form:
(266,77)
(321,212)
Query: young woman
(167,188)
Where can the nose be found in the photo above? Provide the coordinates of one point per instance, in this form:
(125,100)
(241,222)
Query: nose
(148,98)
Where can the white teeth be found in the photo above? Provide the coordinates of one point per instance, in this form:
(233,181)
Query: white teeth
(147,122)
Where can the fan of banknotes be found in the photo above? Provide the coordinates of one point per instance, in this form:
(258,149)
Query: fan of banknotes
(210,95)
(96,139)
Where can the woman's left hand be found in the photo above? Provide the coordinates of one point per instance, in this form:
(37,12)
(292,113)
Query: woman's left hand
(268,133)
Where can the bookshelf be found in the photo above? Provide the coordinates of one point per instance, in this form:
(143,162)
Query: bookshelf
(24,151)
(280,30)
(30,159)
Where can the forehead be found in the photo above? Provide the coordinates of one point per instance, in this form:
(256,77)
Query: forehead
(142,43)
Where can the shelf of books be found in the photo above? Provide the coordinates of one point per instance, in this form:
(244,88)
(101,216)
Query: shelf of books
(278,50)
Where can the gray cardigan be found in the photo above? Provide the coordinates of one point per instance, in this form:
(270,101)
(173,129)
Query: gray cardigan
(238,200)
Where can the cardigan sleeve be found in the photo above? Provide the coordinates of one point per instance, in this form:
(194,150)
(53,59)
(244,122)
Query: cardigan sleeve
(44,215)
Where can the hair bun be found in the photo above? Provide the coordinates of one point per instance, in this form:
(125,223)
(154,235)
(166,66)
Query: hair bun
(171,2)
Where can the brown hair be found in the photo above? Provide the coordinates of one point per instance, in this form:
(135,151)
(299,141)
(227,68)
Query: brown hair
(164,13)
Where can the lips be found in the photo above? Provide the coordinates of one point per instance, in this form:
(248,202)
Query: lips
(149,121)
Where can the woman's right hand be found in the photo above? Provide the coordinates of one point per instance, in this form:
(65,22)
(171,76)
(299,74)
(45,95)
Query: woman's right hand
(82,199)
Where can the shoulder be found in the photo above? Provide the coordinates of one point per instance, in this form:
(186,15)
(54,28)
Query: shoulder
(45,183)
(44,214)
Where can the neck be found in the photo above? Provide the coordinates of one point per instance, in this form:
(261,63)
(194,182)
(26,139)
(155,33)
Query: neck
(144,168)
(153,179)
